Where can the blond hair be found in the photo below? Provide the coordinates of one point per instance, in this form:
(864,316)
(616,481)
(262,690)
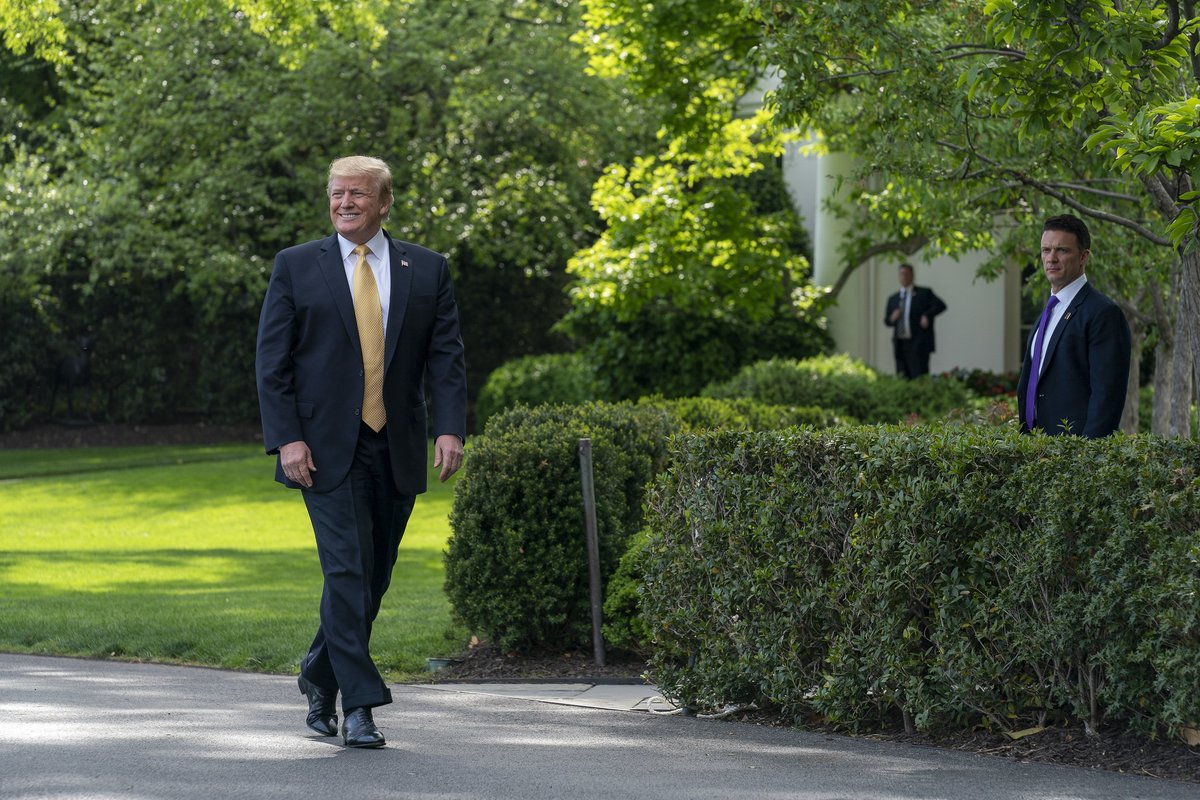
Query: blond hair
(362,167)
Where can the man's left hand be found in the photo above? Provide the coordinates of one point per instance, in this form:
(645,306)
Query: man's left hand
(924,322)
(447,454)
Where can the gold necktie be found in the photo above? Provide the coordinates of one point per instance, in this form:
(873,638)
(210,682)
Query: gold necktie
(369,315)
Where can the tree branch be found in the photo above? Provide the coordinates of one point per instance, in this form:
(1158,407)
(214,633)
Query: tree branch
(1189,8)
(906,246)
(1161,193)
(1077,187)
(1049,190)
(1172,29)
(1016,55)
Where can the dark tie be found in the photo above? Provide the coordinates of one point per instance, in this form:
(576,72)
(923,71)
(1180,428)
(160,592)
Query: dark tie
(1035,366)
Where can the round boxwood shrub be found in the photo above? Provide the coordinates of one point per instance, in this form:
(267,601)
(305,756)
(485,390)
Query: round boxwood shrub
(516,565)
(534,380)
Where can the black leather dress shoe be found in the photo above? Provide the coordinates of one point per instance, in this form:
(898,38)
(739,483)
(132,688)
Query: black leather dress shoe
(322,708)
(360,730)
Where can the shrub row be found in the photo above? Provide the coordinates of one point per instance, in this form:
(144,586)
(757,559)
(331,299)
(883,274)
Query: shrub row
(845,386)
(516,563)
(536,380)
(943,576)
(516,569)
(696,414)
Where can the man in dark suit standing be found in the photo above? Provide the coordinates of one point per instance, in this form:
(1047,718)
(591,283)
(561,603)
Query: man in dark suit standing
(350,326)
(1076,366)
(910,314)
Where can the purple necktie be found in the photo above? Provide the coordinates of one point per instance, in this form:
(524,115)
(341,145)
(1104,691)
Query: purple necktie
(1035,366)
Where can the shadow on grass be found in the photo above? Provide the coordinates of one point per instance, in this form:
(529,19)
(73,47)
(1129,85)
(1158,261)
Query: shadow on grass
(224,607)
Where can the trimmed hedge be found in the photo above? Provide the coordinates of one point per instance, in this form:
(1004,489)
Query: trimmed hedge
(516,565)
(536,380)
(516,569)
(844,386)
(941,577)
(696,414)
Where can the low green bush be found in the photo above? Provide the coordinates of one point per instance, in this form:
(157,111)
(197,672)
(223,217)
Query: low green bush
(844,386)
(984,383)
(624,627)
(518,518)
(741,414)
(935,576)
(516,565)
(536,380)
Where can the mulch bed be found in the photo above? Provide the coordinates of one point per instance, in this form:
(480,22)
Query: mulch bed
(1067,746)
(487,664)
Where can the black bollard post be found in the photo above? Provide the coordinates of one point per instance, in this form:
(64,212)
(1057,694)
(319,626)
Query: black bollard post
(593,548)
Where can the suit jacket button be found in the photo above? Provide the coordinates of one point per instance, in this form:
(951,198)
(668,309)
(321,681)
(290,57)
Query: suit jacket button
(356,411)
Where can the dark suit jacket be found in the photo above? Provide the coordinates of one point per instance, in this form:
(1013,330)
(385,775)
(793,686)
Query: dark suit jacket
(310,371)
(924,303)
(1085,369)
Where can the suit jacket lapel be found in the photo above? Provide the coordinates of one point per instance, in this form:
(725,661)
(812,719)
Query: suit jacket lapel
(1068,316)
(334,271)
(401,287)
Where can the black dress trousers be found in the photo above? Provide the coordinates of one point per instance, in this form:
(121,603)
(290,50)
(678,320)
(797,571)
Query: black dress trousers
(358,527)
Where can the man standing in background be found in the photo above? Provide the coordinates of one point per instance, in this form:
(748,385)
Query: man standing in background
(1076,365)
(910,314)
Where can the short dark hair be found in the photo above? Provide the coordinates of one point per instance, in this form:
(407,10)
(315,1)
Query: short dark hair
(908,267)
(1071,224)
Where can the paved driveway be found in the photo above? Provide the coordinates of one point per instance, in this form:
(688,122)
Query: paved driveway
(97,729)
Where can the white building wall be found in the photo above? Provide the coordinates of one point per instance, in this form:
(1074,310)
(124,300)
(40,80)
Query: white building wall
(980,327)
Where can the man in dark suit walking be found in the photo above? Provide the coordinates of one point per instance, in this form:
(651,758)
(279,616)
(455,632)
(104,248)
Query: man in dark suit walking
(910,313)
(1076,365)
(350,326)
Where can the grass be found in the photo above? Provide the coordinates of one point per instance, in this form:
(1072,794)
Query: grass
(70,461)
(192,555)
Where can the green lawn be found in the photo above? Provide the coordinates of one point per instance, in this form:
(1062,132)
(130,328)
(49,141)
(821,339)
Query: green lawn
(192,555)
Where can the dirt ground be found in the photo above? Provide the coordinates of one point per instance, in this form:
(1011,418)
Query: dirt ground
(1060,745)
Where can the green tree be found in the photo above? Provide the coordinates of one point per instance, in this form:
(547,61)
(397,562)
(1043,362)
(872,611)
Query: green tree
(1031,95)
(702,266)
(176,146)
(700,270)
(970,118)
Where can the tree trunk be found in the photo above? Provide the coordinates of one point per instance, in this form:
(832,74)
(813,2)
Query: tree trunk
(1160,421)
(1130,415)
(1184,367)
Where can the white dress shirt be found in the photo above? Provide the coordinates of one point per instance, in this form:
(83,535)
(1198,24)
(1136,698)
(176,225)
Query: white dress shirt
(1066,296)
(380,262)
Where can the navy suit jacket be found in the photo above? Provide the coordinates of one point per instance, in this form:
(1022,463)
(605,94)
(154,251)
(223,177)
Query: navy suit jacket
(924,303)
(1085,369)
(310,369)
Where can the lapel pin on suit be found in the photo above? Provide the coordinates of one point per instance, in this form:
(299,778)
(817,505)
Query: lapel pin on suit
(404,262)
(1066,316)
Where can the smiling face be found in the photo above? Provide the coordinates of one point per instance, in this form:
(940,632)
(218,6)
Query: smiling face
(1063,260)
(357,207)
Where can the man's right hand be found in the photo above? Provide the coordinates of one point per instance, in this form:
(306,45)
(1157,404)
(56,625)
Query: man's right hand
(896,315)
(297,463)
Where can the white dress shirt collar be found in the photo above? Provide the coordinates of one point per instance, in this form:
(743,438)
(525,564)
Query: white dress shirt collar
(1066,294)
(377,245)
(380,262)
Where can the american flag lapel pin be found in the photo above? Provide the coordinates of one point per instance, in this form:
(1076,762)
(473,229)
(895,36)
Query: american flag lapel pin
(404,262)
(1066,316)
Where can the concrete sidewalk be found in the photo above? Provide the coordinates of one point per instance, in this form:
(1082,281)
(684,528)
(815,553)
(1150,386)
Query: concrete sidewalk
(608,696)
(99,729)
